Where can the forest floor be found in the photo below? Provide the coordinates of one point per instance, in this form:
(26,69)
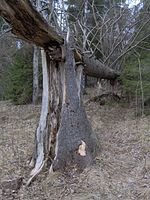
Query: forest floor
(121,171)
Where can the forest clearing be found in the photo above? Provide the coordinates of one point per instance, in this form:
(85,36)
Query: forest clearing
(75,99)
(121,170)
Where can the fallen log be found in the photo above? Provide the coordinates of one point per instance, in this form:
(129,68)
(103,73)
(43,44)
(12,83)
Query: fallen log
(28,24)
(95,68)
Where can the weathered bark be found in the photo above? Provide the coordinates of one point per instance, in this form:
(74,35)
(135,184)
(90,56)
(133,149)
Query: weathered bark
(45,136)
(96,69)
(79,72)
(42,132)
(35,75)
(28,24)
(75,144)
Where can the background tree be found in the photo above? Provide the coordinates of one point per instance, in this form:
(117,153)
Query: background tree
(7,48)
(136,70)
(19,77)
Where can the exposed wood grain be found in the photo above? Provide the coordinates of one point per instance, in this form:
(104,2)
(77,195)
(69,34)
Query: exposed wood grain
(28,24)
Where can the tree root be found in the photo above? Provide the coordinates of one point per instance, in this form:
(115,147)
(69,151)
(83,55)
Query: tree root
(35,172)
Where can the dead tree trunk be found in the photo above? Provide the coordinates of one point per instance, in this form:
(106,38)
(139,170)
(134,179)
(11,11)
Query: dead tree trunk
(45,136)
(42,133)
(64,136)
(75,142)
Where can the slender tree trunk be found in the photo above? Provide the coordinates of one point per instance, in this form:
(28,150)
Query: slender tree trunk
(35,75)
(42,132)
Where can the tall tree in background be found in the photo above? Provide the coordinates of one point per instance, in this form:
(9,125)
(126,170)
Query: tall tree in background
(139,61)
(7,49)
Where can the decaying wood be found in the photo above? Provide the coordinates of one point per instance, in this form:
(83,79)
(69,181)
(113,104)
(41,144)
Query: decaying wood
(45,137)
(75,144)
(79,71)
(42,132)
(28,24)
(95,68)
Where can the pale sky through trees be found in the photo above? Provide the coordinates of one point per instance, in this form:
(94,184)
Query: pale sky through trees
(132,2)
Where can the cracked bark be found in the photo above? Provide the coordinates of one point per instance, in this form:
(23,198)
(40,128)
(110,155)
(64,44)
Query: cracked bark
(74,126)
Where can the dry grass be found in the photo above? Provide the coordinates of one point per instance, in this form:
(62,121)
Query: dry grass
(121,170)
